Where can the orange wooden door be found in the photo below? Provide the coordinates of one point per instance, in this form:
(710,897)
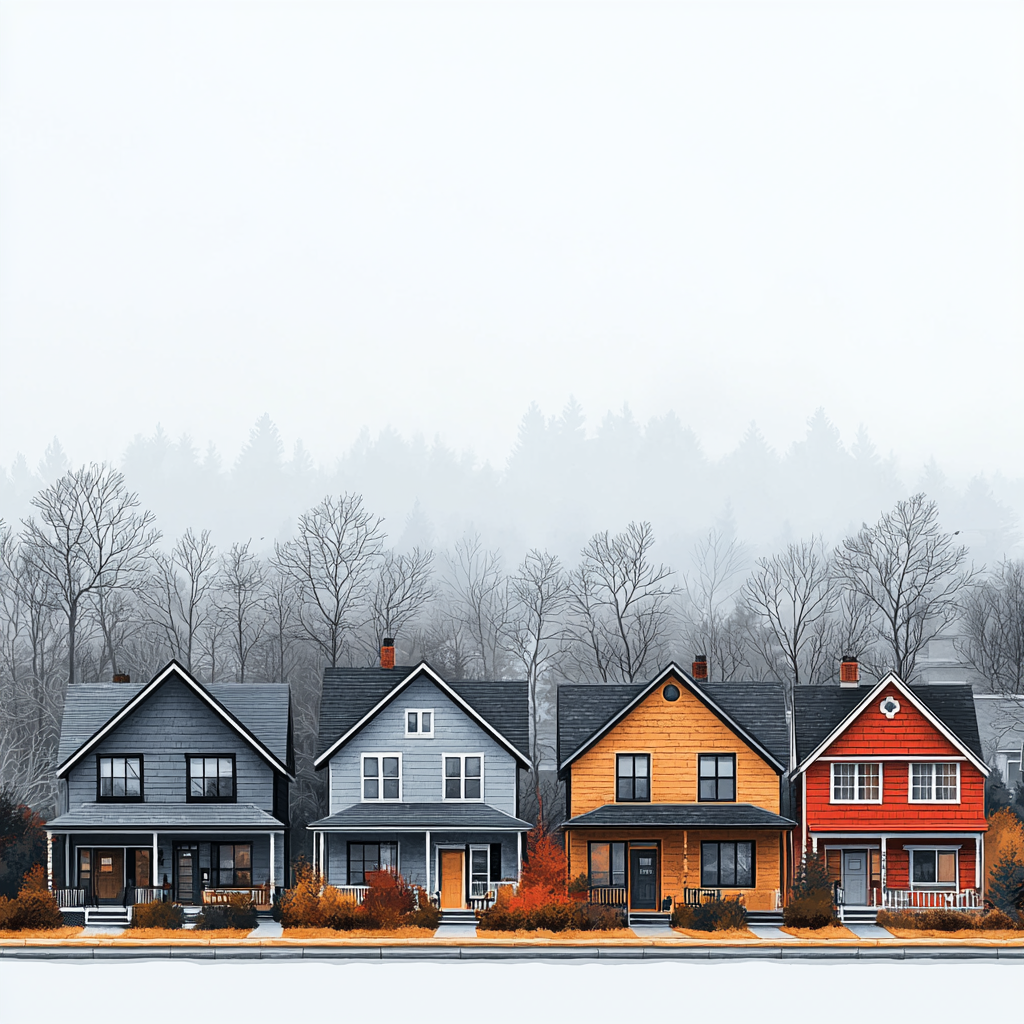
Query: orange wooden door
(109,873)
(452,886)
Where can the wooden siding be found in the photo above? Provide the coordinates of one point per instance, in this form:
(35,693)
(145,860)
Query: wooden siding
(679,858)
(674,733)
(422,765)
(171,723)
(872,735)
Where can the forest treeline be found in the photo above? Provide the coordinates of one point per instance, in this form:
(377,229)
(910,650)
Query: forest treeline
(90,588)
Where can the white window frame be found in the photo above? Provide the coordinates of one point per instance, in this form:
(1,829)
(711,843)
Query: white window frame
(953,886)
(362,778)
(462,776)
(855,800)
(419,734)
(487,881)
(930,800)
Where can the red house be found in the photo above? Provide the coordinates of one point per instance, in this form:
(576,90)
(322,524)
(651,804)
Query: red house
(889,785)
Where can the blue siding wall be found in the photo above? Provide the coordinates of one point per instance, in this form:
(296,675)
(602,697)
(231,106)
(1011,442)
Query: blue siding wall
(174,722)
(422,765)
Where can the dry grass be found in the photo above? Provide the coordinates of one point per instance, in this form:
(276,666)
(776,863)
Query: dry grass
(726,933)
(181,933)
(359,933)
(544,933)
(963,933)
(830,931)
(67,932)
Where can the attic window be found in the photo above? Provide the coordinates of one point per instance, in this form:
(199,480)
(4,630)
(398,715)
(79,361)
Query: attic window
(419,723)
(671,692)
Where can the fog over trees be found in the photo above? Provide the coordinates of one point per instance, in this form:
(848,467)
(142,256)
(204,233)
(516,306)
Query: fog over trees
(584,558)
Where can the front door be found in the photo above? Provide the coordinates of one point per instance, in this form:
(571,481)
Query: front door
(109,874)
(186,874)
(643,879)
(855,877)
(452,885)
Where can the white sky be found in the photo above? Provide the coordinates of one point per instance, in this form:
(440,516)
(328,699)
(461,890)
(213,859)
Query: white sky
(430,215)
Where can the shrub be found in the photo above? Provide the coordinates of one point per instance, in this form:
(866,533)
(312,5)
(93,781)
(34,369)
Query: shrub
(22,842)
(1006,884)
(604,919)
(713,916)
(996,920)
(339,910)
(946,920)
(299,906)
(426,915)
(238,912)
(157,915)
(34,908)
(388,900)
(580,885)
(810,904)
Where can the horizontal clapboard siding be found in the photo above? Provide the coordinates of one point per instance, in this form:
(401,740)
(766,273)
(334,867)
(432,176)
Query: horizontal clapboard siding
(171,723)
(454,733)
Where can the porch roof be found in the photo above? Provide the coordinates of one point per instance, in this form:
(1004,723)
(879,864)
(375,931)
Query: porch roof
(402,817)
(679,816)
(113,817)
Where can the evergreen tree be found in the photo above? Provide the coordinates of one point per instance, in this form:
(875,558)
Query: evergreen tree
(1006,885)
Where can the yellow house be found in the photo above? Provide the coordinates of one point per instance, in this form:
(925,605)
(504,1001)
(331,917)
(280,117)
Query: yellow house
(673,791)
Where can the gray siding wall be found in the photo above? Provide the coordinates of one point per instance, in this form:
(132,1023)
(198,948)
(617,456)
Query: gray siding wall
(411,860)
(422,765)
(174,722)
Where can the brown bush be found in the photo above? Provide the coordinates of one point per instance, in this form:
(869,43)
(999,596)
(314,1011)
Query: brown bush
(944,920)
(158,915)
(34,908)
(388,900)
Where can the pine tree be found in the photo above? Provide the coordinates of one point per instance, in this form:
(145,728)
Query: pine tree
(1006,884)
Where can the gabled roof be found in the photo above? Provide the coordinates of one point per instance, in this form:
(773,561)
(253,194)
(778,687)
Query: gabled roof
(725,815)
(418,817)
(823,713)
(257,712)
(754,711)
(353,697)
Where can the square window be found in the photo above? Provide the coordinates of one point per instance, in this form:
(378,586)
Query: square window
(633,777)
(716,777)
(382,776)
(366,857)
(727,865)
(607,864)
(463,776)
(419,723)
(119,778)
(856,783)
(210,778)
(935,783)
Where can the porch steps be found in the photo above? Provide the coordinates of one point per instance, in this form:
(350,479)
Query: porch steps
(859,915)
(463,917)
(114,917)
(649,918)
(765,918)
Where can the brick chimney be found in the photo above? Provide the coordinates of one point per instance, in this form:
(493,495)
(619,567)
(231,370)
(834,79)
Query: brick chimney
(849,673)
(387,653)
(700,668)
(125,678)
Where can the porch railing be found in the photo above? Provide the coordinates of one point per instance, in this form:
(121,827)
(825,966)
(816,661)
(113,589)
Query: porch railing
(259,894)
(608,895)
(67,898)
(695,897)
(925,899)
(149,894)
(356,893)
(483,894)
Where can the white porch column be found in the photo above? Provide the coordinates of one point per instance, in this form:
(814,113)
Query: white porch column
(978,876)
(814,844)
(324,864)
(271,893)
(154,868)
(316,852)
(519,856)
(883,866)
(49,861)
(67,860)
(426,857)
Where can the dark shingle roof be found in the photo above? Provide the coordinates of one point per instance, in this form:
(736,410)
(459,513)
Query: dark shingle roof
(261,708)
(436,816)
(819,709)
(350,693)
(680,816)
(170,815)
(759,708)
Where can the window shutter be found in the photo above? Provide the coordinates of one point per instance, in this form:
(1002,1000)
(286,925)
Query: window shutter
(495,862)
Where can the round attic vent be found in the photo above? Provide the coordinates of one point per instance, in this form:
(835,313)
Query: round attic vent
(889,707)
(671,692)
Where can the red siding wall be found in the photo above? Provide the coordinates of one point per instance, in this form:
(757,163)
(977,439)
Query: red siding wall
(911,734)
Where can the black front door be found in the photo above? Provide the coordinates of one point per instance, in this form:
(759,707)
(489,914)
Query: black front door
(643,879)
(186,874)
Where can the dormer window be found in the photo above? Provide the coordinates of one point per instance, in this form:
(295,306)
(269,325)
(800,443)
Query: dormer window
(419,723)
(119,778)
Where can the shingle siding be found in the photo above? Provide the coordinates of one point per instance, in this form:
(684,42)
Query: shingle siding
(422,764)
(169,724)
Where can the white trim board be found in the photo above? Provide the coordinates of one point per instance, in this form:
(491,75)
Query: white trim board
(421,669)
(201,692)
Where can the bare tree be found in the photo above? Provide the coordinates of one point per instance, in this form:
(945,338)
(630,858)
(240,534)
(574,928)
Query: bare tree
(331,562)
(709,595)
(240,603)
(404,587)
(176,597)
(911,574)
(620,609)
(992,628)
(281,609)
(90,541)
(533,635)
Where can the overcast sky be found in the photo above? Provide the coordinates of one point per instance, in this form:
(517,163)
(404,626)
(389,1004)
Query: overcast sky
(430,215)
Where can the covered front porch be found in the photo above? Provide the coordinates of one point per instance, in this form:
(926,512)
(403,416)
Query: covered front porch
(189,854)
(461,855)
(901,871)
(652,857)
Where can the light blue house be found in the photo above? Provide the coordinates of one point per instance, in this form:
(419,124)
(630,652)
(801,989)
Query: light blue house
(423,780)
(169,790)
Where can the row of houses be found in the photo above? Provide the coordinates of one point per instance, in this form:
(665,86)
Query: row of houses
(676,789)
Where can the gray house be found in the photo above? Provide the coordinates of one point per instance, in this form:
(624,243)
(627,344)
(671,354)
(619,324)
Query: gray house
(423,781)
(169,790)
